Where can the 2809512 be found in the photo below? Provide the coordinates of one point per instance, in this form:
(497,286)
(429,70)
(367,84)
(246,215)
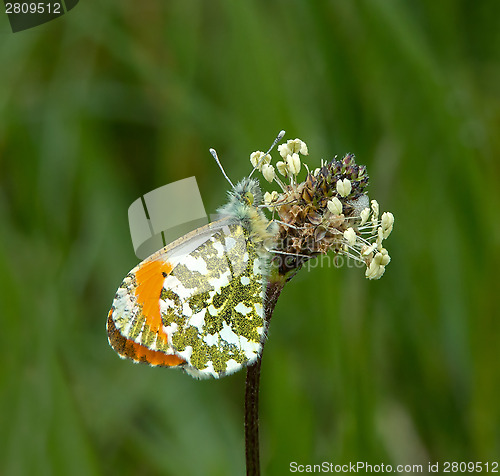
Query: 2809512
(470,467)
(32,7)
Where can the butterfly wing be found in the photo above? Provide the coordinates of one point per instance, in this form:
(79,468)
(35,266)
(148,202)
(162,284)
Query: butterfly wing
(197,303)
(135,327)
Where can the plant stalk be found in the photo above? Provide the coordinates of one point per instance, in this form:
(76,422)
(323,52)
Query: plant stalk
(274,289)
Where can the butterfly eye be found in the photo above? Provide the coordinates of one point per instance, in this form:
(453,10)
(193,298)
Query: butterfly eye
(248,198)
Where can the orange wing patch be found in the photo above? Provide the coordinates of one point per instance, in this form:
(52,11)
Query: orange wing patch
(149,278)
(147,288)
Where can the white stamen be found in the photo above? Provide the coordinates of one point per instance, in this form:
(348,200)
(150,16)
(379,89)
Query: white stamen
(268,172)
(364,216)
(334,206)
(293,162)
(350,236)
(344,187)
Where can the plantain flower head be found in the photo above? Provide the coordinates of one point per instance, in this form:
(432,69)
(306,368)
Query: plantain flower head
(327,212)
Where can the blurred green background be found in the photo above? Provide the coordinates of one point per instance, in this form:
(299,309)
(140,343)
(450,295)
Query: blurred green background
(117,98)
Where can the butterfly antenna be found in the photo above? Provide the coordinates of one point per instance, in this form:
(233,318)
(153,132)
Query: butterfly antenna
(280,136)
(214,155)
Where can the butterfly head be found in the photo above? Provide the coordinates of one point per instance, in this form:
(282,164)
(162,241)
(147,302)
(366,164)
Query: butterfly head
(243,199)
(247,192)
(243,206)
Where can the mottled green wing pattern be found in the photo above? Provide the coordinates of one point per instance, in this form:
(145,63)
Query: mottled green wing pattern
(212,304)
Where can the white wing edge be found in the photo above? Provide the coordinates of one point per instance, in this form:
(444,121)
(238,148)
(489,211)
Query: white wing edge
(176,251)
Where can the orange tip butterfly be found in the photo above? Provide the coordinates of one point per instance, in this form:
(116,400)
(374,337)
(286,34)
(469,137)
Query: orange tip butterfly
(198,303)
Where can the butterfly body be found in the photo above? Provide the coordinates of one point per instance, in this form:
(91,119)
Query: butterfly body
(198,303)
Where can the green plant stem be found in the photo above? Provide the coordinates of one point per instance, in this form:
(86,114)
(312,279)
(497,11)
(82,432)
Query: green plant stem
(274,289)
